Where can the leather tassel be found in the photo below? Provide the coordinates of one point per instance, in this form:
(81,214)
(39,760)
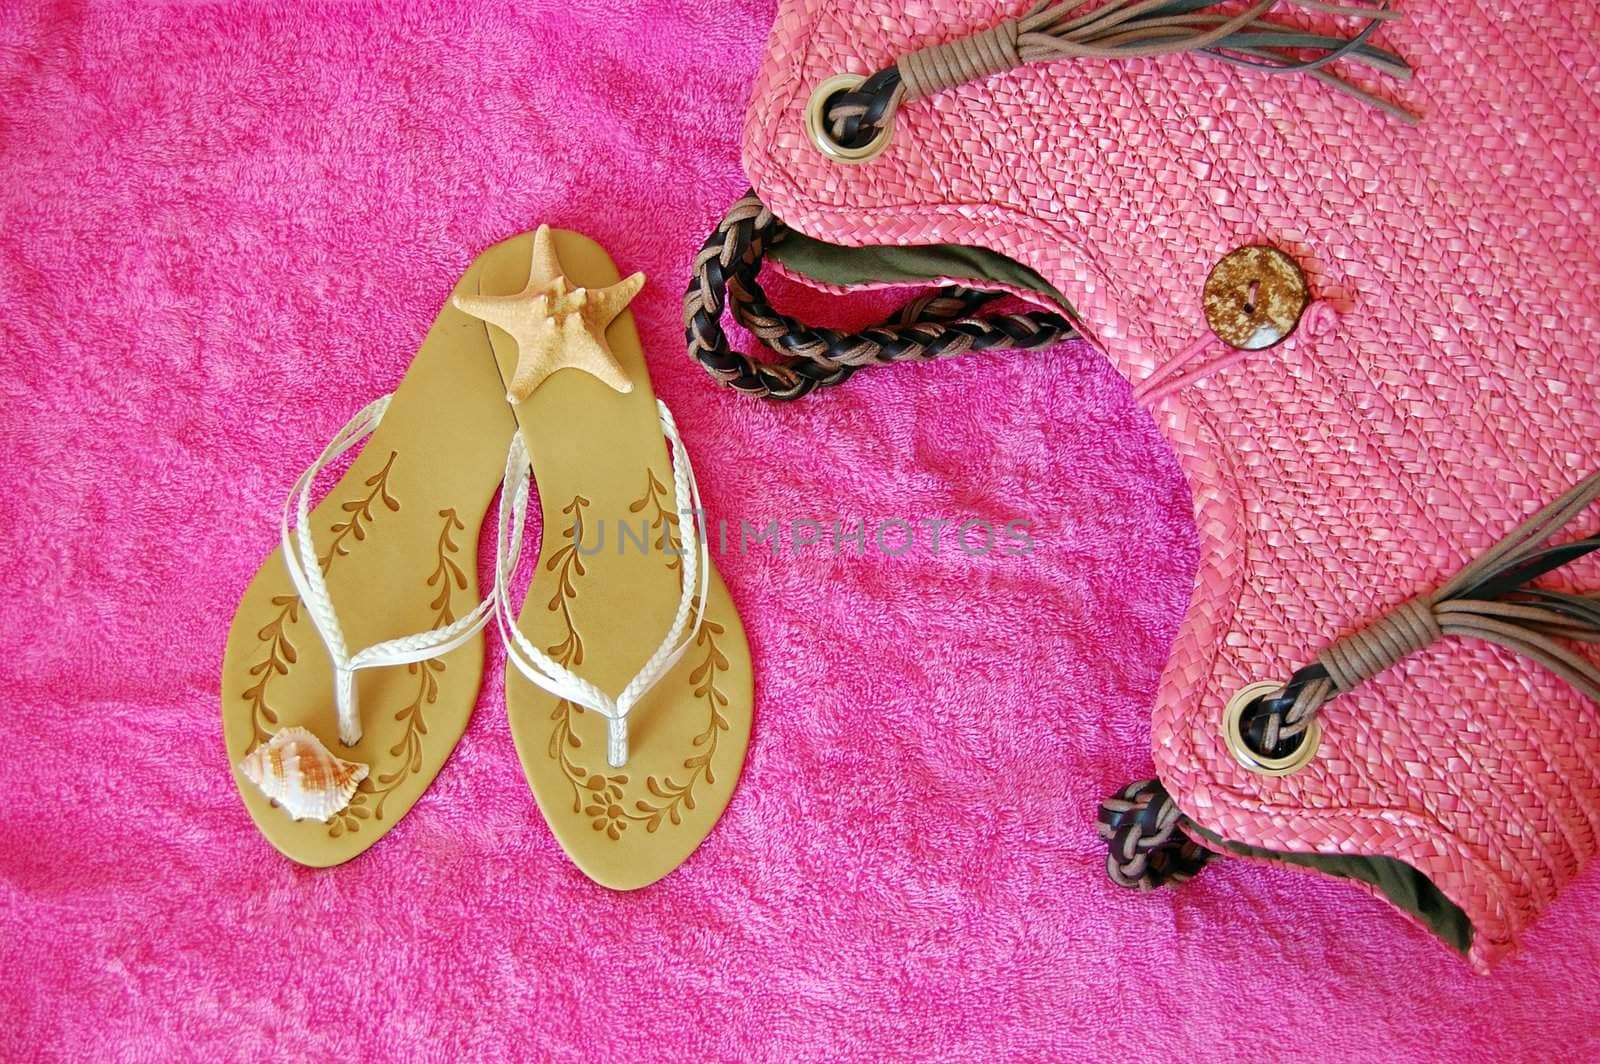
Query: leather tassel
(1493,599)
(1127,29)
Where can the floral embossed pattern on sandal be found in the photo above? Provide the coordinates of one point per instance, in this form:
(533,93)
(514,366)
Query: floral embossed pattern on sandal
(630,689)
(385,562)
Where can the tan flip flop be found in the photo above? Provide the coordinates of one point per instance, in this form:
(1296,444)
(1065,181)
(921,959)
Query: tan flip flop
(630,693)
(331,744)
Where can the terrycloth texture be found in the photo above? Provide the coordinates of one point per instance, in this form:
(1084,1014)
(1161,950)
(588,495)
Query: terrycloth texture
(223,232)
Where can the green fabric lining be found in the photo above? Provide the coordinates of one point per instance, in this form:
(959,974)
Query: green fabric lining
(1402,884)
(911,264)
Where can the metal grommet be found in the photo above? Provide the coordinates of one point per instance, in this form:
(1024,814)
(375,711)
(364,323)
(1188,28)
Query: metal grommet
(817,126)
(1233,734)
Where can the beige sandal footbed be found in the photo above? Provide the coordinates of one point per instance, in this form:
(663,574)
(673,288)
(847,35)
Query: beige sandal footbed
(599,455)
(397,536)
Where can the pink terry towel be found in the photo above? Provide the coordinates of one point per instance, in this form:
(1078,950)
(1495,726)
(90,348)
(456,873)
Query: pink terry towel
(223,230)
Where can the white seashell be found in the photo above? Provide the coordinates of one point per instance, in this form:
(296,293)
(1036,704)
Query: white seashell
(295,770)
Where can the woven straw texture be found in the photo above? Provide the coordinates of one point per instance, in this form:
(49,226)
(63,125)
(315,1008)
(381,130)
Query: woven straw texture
(1333,477)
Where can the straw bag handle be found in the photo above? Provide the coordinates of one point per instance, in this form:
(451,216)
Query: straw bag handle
(851,119)
(934,326)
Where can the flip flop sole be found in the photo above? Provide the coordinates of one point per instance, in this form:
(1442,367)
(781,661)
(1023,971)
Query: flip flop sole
(605,486)
(397,538)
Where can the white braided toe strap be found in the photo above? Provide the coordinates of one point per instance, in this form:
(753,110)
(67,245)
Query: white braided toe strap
(300,558)
(560,681)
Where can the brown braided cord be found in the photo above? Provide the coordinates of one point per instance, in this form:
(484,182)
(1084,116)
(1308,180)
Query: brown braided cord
(1147,847)
(1492,599)
(934,326)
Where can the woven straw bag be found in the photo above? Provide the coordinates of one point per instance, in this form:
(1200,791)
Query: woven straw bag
(1363,305)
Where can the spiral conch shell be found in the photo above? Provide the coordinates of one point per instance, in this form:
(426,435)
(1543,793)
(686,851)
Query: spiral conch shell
(295,770)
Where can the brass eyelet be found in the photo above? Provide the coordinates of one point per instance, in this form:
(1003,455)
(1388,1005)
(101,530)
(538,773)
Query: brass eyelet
(1233,734)
(817,126)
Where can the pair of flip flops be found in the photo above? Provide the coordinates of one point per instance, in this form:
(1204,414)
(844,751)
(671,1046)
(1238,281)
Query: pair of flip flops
(630,693)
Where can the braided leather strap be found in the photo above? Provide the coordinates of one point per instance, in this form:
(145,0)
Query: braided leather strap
(931,327)
(1144,833)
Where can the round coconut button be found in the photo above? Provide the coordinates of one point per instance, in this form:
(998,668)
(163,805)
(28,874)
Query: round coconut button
(1254,297)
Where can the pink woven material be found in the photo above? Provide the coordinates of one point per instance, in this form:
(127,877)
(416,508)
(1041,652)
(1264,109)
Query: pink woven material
(1335,476)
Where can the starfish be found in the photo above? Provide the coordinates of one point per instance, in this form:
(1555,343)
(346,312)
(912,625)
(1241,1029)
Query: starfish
(555,325)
